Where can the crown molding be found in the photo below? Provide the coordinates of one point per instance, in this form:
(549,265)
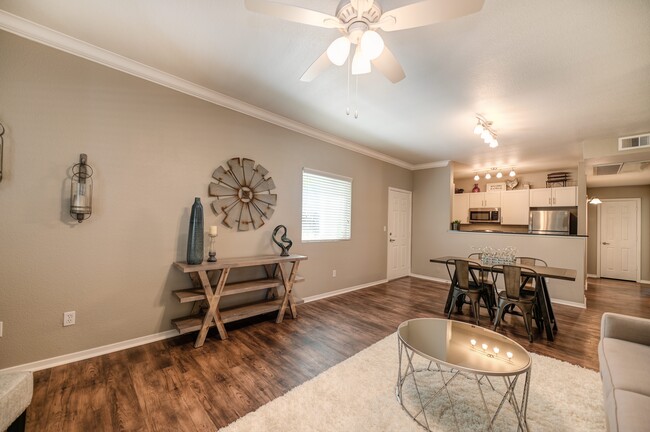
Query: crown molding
(54,39)
(439,164)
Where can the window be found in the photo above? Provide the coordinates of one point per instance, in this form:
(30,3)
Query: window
(326,206)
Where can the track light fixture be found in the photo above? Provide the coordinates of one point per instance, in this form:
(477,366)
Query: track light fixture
(484,129)
(494,172)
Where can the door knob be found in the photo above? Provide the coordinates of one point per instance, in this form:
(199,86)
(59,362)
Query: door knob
(605,243)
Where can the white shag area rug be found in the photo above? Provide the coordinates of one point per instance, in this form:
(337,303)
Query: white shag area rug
(358,394)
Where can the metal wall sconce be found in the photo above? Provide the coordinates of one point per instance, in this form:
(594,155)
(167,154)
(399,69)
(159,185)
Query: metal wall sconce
(81,190)
(2,147)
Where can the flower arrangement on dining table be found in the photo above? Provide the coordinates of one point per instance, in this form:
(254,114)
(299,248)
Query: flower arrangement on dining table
(492,256)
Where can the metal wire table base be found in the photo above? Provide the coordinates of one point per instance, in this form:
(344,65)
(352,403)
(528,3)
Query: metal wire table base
(407,369)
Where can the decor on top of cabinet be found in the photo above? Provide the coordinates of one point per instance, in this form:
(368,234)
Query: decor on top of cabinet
(476,188)
(557,179)
(195,234)
(455,225)
(285,243)
(243,194)
(512,184)
(81,190)
(495,187)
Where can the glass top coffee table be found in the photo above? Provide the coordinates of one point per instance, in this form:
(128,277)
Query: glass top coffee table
(477,369)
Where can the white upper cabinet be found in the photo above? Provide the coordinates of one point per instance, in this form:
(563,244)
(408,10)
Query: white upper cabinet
(565,196)
(554,197)
(515,207)
(461,208)
(484,199)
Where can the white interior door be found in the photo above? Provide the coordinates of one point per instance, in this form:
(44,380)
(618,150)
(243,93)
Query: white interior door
(399,233)
(618,239)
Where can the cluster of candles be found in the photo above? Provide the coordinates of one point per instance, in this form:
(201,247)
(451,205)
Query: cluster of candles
(485,347)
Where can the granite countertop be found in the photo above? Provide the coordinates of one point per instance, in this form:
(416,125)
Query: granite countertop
(498,231)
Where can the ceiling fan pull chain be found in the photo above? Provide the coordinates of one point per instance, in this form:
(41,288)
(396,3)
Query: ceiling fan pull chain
(347,108)
(356,97)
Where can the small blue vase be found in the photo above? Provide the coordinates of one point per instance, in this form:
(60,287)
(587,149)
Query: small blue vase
(195,235)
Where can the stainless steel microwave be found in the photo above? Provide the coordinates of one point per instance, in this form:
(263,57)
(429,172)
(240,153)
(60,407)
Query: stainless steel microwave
(485,215)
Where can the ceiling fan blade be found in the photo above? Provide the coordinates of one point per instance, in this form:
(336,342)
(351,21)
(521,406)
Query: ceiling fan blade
(427,12)
(293,13)
(388,65)
(361,6)
(316,68)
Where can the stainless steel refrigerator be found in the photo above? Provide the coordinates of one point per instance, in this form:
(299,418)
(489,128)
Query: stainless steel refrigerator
(552,222)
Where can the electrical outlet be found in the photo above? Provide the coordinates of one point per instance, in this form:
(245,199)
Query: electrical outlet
(333,273)
(68,318)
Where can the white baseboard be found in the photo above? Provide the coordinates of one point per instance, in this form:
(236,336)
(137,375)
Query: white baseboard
(430,278)
(93,352)
(570,303)
(593,276)
(644,281)
(342,291)
(118,346)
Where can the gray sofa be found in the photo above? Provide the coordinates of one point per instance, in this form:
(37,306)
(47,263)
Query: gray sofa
(624,355)
(16,390)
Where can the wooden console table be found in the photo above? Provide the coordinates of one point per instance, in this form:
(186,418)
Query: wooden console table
(206,297)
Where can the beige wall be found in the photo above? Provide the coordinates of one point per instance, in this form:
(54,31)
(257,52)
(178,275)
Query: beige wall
(153,151)
(642,192)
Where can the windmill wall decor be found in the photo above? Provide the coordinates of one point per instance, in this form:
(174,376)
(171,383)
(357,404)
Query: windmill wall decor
(243,194)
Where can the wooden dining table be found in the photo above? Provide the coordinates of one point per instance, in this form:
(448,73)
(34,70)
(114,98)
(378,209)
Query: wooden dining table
(543,273)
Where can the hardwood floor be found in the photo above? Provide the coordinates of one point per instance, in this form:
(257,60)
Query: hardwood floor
(170,385)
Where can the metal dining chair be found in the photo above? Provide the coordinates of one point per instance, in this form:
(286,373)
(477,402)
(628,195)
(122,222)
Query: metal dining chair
(530,261)
(515,295)
(487,282)
(473,289)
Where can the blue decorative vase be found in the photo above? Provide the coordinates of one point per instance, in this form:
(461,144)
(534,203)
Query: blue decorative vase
(195,235)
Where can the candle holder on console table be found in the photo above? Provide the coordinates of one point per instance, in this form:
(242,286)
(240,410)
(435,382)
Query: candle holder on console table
(212,253)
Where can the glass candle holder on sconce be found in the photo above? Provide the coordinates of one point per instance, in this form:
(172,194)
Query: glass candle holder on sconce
(212,252)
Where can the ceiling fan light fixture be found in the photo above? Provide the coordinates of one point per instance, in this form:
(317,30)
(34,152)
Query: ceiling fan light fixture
(499,174)
(372,44)
(476,177)
(339,50)
(360,63)
(488,176)
(512,172)
(494,143)
(595,200)
(478,129)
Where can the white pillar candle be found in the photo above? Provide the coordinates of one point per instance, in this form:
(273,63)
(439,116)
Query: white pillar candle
(213,230)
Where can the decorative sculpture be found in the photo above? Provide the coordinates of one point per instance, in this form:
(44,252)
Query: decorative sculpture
(243,194)
(285,240)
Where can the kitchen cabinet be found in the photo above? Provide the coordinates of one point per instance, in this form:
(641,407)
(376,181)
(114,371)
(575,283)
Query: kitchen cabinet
(484,199)
(515,207)
(554,197)
(460,208)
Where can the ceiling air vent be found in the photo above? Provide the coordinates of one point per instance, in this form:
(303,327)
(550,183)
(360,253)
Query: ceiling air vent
(607,169)
(634,142)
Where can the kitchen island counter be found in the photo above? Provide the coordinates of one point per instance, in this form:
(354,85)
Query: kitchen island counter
(505,231)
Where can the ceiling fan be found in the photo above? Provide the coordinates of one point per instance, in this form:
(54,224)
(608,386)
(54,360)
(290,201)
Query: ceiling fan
(358,21)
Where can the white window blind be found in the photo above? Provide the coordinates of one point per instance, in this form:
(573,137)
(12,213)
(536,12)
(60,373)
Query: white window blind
(326,206)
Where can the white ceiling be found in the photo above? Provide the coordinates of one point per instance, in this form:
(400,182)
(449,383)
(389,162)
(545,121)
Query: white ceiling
(552,75)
